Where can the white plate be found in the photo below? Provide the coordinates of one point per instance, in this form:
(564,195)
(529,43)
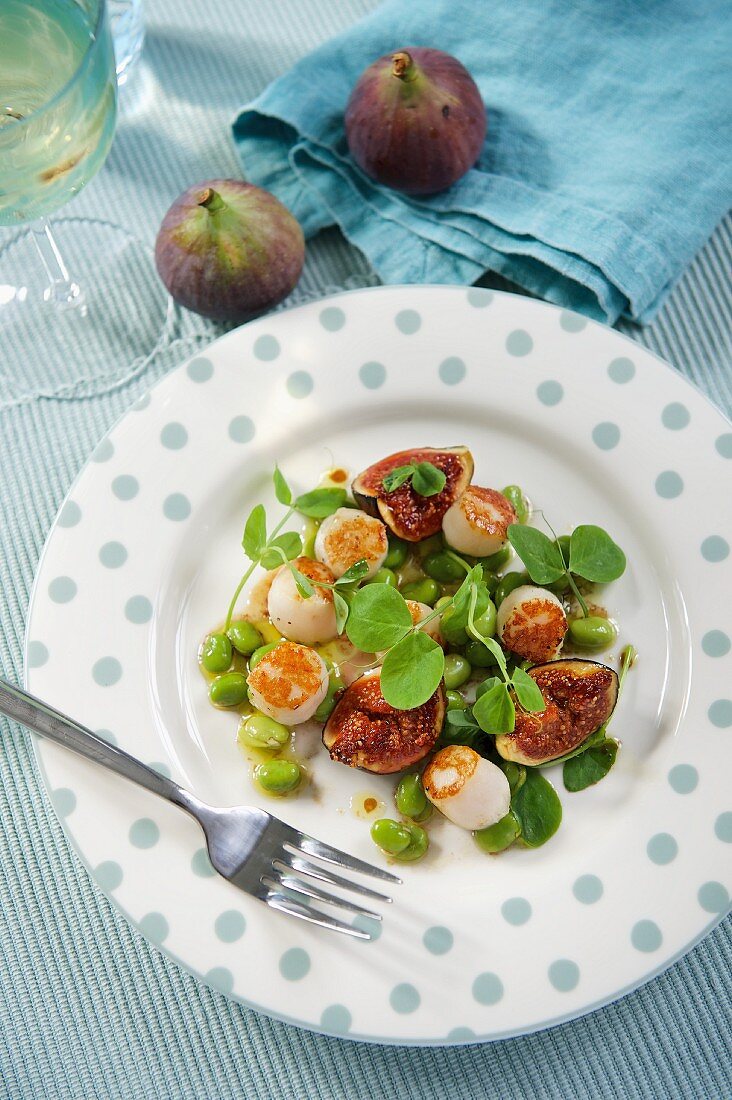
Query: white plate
(144,555)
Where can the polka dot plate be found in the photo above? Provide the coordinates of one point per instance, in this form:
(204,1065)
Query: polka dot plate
(146,551)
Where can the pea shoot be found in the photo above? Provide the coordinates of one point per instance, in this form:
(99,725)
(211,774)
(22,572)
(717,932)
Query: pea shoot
(425,477)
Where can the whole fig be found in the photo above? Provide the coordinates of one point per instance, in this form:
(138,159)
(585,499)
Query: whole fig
(229,250)
(415,121)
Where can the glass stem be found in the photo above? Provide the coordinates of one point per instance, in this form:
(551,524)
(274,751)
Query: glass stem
(62,291)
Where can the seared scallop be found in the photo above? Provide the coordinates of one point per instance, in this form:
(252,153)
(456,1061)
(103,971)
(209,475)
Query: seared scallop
(420,611)
(364,731)
(289,683)
(469,790)
(309,620)
(531,623)
(349,536)
(477,522)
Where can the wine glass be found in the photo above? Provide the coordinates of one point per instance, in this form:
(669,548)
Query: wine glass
(58,105)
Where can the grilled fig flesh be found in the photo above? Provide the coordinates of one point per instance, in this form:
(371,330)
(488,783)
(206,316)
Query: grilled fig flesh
(410,516)
(579,695)
(364,731)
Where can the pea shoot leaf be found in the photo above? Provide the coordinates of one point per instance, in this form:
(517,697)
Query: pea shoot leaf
(538,552)
(537,808)
(289,545)
(494,711)
(319,503)
(354,573)
(427,480)
(379,618)
(281,488)
(397,477)
(487,684)
(594,556)
(460,728)
(412,670)
(342,609)
(255,533)
(590,766)
(527,691)
(303,583)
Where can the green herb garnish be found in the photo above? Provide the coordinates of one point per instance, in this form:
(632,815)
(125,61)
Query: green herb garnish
(426,479)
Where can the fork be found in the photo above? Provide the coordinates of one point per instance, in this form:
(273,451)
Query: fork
(254,850)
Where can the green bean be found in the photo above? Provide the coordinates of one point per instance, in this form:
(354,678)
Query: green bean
(425,590)
(490,579)
(485,623)
(515,497)
(443,602)
(430,545)
(228,690)
(594,632)
(326,708)
(498,837)
(418,845)
(216,653)
(391,836)
(259,731)
(309,536)
(278,776)
(410,799)
(442,567)
(244,637)
(515,774)
(479,655)
(258,654)
(457,671)
(384,576)
(496,561)
(397,553)
(507,584)
(455,700)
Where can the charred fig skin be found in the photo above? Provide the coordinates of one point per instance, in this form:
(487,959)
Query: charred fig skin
(229,250)
(364,731)
(580,697)
(415,121)
(410,516)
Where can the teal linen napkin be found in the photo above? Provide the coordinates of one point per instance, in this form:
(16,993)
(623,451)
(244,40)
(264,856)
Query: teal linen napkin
(607,164)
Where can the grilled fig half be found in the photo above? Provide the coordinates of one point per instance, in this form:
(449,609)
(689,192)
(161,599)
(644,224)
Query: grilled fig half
(579,695)
(364,731)
(410,516)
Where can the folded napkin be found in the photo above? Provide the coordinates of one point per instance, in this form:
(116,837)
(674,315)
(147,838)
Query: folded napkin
(607,164)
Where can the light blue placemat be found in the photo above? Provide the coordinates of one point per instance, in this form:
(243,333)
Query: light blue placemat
(87,1008)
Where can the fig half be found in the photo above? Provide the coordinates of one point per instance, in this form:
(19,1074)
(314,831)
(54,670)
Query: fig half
(364,731)
(410,516)
(580,696)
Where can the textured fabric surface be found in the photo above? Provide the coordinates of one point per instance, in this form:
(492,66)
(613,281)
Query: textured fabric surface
(87,1009)
(607,164)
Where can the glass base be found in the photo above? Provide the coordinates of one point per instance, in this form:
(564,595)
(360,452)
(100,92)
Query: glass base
(108,319)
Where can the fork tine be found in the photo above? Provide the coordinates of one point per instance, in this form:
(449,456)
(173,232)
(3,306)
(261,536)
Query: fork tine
(308,889)
(294,909)
(312,847)
(314,870)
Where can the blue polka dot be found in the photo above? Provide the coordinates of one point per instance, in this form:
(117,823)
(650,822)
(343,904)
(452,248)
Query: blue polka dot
(588,889)
(229,926)
(300,383)
(64,801)
(266,348)
(519,342)
(103,452)
(154,927)
(452,371)
(479,297)
(715,548)
(113,555)
(662,849)
(550,393)
(144,833)
(606,435)
(646,936)
(138,609)
(683,778)
(294,964)
(70,514)
(332,319)
(200,369)
(404,998)
(720,713)
(125,487)
(723,444)
(369,925)
(37,654)
(106,735)
(160,768)
(241,429)
(221,978)
(336,1019)
(177,507)
(669,484)
(516,911)
(142,402)
(107,671)
(572,322)
(438,940)
(621,370)
(408,321)
(487,988)
(723,827)
(564,975)
(716,643)
(675,416)
(713,897)
(201,864)
(372,375)
(461,1035)
(108,874)
(174,436)
(62,589)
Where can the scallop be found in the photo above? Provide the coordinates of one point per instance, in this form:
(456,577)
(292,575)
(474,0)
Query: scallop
(531,623)
(309,620)
(289,683)
(420,611)
(477,522)
(349,536)
(469,790)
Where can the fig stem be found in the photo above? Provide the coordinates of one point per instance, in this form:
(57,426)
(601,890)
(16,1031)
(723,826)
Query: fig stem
(211,200)
(403,66)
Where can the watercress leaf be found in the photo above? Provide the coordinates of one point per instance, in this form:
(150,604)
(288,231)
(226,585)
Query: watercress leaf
(319,503)
(379,618)
(281,488)
(494,711)
(427,480)
(594,556)
(538,552)
(354,572)
(527,691)
(537,809)
(303,583)
(590,766)
(290,544)
(412,670)
(255,533)
(397,477)
(342,608)
(460,728)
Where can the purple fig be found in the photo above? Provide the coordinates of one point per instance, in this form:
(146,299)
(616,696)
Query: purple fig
(415,121)
(229,250)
